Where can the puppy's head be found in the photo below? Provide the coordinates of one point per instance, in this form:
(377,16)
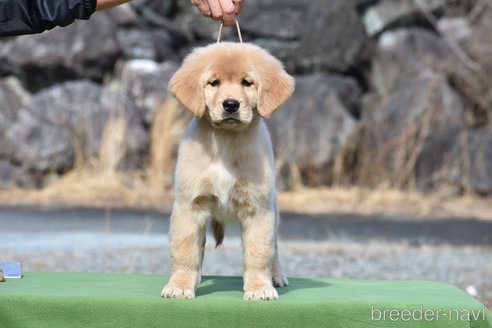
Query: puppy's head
(230,83)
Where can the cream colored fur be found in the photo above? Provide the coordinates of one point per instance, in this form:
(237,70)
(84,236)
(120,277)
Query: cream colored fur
(225,168)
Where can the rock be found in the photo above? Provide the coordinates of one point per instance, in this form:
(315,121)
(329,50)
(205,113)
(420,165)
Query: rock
(455,28)
(428,91)
(12,95)
(471,161)
(478,47)
(12,98)
(406,52)
(477,87)
(424,97)
(305,35)
(410,133)
(123,15)
(145,83)
(390,13)
(12,176)
(68,120)
(266,18)
(85,49)
(115,104)
(136,44)
(315,124)
(319,35)
(7,174)
(155,45)
(426,116)
(175,16)
(158,7)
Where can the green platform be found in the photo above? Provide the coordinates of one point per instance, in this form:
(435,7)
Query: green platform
(116,300)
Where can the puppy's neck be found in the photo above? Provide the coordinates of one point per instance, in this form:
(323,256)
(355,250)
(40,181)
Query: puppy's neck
(218,142)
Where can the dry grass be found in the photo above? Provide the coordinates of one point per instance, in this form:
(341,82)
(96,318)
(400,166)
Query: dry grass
(98,182)
(385,201)
(168,124)
(85,189)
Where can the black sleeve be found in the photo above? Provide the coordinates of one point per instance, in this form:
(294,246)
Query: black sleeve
(35,16)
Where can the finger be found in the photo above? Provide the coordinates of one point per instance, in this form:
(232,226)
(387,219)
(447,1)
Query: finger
(216,9)
(228,12)
(238,6)
(203,7)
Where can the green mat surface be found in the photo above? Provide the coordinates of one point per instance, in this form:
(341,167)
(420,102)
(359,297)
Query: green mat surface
(117,300)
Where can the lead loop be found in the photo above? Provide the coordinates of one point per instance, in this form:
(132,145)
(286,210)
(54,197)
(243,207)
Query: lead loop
(238,32)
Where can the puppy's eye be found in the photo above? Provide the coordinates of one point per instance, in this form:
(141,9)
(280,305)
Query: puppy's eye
(214,83)
(246,83)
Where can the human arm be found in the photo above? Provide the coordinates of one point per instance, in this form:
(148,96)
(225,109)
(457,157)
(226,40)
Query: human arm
(34,16)
(106,4)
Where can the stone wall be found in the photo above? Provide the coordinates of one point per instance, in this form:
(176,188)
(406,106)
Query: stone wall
(391,92)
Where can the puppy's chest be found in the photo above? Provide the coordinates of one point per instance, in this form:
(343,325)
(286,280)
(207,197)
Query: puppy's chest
(228,193)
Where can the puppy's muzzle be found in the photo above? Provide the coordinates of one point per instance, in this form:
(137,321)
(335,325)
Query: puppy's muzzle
(230,105)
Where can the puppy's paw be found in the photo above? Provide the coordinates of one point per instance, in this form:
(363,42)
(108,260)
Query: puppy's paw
(262,294)
(171,291)
(280,280)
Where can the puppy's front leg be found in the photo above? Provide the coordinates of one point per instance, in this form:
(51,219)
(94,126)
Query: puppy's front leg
(258,243)
(187,235)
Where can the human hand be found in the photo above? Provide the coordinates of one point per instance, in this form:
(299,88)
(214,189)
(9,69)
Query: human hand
(220,10)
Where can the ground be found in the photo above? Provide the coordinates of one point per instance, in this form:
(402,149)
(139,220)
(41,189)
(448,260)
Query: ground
(453,250)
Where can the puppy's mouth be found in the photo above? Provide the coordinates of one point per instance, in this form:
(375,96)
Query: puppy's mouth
(229,123)
(231,120)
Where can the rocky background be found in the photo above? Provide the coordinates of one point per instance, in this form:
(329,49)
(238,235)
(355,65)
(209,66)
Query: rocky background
(389,92)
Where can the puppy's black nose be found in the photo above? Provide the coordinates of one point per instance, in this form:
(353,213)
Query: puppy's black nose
(231,105)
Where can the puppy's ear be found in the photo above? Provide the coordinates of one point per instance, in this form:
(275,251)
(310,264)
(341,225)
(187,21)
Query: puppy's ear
(275,85)
(186,84)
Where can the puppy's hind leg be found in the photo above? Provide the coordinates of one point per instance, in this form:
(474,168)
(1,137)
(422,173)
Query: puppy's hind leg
(278,277)
(187,235)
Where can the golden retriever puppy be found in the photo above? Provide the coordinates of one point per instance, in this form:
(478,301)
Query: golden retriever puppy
(225,167)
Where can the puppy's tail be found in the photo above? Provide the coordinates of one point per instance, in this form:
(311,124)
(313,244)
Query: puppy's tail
(218,232)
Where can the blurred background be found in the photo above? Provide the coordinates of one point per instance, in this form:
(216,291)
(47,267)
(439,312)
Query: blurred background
(384,153)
